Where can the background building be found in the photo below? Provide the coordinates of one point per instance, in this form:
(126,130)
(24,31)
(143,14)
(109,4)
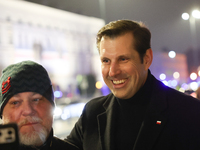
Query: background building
(63,42)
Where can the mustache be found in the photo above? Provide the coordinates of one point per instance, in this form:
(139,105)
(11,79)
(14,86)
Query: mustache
(29,120)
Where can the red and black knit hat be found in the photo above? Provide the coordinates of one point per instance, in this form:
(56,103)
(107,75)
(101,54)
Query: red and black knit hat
(25,76)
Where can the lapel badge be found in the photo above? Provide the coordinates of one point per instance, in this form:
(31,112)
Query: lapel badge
(6,85)
(158,122)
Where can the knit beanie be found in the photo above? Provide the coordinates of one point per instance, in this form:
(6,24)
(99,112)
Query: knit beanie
(25,76)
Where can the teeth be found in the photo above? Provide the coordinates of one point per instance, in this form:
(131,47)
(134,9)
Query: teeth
(119,81)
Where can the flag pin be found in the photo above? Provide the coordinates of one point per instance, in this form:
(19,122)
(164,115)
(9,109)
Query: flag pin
(158,122)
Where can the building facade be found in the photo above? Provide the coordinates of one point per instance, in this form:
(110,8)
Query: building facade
(63,42)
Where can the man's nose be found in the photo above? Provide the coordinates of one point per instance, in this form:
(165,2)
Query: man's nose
(114,69)
(28,109)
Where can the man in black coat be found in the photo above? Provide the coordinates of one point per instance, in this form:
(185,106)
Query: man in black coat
(26,99)
(141,113)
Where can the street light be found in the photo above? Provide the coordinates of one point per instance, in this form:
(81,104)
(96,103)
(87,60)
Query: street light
(185,16)
(193,76)
(176,75)
(196,14)
(172,54)
(192,20)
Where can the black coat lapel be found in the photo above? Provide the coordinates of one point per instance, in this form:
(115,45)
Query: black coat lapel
(106,122)
(154,120)
(149,132)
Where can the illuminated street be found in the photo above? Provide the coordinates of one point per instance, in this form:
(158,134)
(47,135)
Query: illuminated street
(63,128)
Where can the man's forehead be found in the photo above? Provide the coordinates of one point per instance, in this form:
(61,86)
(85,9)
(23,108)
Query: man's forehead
(26,93)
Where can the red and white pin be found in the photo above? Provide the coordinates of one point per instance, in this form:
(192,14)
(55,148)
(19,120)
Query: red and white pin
(158,122)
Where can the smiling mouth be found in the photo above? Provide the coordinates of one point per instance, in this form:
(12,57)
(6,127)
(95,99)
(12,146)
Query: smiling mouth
(119,81)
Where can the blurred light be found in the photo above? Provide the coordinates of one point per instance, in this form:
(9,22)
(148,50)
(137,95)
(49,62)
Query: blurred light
(196,14)
(193,76)
(176,75)
(69,95)
(184,86)
(105,90)
(198,69)
(79,78)
(58,94)
(165,82)
(185,16)
(98,85)
(169,83)
(194,86)
(174,83)
(57,111)
(182,90)
(65,115)
(199,72)
(162,76)
(72,110)
(172,54)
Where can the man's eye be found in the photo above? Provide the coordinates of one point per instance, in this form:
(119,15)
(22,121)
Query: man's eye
(123,59)
(105,60)
(15,102)
(36,99)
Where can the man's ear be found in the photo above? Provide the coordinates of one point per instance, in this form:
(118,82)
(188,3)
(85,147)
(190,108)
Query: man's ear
(148,58)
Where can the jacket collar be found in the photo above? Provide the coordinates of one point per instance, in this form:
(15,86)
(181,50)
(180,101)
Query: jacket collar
(106,121)
(155,118)
(151,127)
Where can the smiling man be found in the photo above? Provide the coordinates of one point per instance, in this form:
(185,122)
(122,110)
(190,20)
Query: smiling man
(140,113)
(27,99)
(122,69)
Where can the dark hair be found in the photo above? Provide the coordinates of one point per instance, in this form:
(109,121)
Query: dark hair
(141,34)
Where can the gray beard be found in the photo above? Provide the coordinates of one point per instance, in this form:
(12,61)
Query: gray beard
(34,138)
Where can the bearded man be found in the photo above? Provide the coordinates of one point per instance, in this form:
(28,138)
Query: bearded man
(27,99)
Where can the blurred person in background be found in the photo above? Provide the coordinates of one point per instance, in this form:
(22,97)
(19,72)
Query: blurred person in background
(198,93)
(26,98)
(141,113)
